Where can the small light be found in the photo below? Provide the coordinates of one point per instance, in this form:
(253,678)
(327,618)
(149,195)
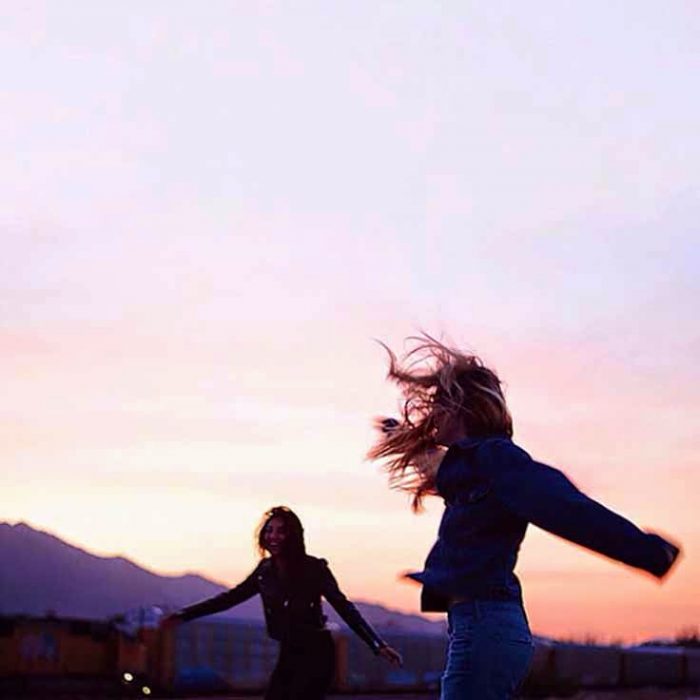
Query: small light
(128,677)
(146,690)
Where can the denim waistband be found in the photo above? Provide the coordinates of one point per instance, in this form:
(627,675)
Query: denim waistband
(479,604)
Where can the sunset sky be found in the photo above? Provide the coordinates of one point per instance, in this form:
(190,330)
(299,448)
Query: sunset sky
(209,212)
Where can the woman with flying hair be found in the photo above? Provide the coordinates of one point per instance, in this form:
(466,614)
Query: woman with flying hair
(291,583)
(454,441)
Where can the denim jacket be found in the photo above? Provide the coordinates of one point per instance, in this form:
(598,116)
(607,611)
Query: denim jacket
(293,610)
(492,489)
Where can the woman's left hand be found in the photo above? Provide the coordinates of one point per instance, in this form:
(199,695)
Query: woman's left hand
(391,655)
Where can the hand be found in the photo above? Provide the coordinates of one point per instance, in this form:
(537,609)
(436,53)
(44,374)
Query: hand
(387,425)
(391,655)
(673,553)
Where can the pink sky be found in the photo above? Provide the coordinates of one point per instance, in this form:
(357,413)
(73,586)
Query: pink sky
(211,213)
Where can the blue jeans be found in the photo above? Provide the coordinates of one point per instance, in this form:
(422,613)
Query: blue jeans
(489,650)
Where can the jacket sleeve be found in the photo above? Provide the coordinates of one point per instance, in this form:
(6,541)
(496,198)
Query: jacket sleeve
(223,601)
(332,593)
(545,497)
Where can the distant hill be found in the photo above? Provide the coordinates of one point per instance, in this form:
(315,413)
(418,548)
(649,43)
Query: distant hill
(40,572)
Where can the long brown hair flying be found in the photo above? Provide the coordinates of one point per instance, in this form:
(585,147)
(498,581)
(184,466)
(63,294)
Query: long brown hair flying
(437,382)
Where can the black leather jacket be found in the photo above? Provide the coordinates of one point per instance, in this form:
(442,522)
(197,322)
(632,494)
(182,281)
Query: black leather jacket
(293,610)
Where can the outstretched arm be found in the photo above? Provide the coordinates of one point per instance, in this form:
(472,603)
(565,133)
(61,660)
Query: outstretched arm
(332,593)
(548,499)
(243,591)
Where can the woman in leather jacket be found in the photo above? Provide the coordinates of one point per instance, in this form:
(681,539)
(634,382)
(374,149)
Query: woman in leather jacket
(454,441)
(291,583)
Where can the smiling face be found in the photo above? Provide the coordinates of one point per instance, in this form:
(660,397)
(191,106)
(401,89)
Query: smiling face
(281,535)
(275,536)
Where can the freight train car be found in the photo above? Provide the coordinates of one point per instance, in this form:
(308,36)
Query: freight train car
(62,655)
(240,656)
(40,655)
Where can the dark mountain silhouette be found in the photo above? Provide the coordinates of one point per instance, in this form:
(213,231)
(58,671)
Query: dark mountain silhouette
(40,572)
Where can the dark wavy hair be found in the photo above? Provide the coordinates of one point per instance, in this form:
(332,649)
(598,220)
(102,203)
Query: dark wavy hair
(294,547)
(437,381)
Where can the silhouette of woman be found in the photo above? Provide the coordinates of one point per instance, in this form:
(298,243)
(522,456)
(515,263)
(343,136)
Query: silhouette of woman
(454,440)
(291,583)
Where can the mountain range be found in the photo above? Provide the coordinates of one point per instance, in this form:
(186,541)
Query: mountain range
(40,573)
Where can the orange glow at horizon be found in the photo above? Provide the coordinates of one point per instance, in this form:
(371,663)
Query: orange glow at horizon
(200,467)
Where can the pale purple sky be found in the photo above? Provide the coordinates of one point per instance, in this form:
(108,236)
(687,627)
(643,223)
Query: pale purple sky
(210,209)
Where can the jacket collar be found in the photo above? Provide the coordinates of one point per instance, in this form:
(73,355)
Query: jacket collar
(469,442)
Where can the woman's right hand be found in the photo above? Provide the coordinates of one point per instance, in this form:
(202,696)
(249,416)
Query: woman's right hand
(387,425)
